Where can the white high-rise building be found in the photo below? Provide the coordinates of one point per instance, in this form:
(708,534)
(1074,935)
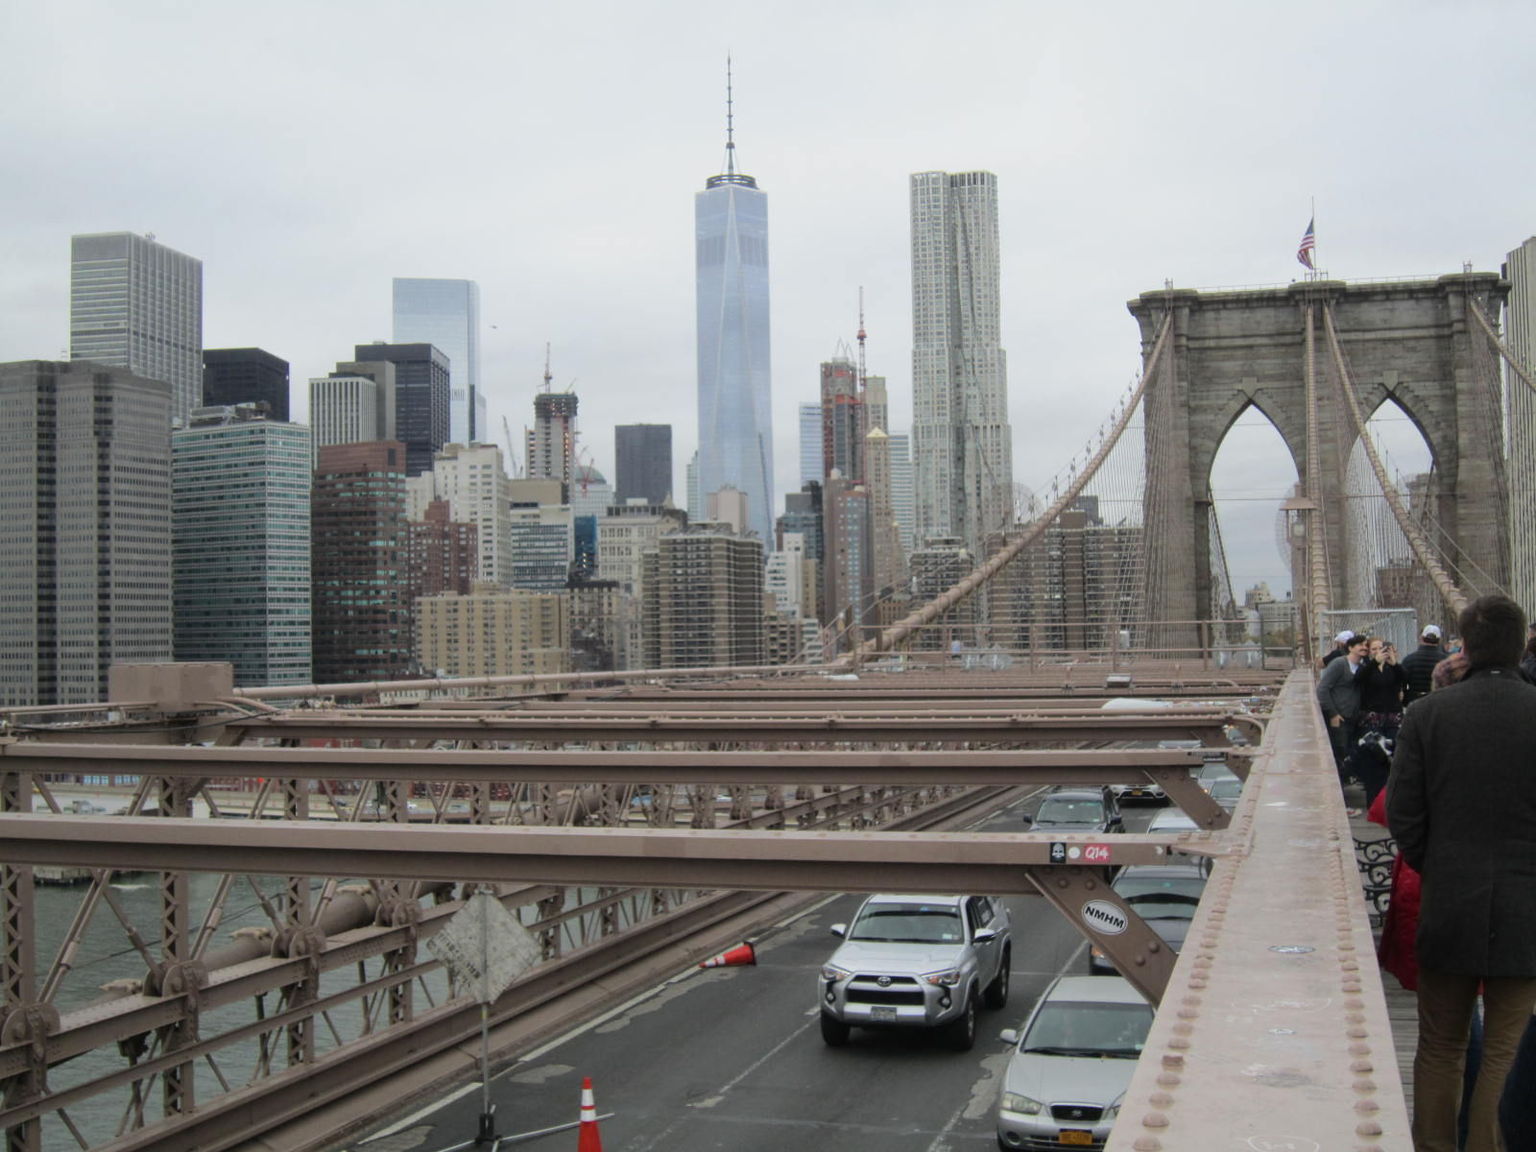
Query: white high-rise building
(1520,423)
(962,445)
(446,314)
(354,404)
(138,305)
(903,499)
(473,480)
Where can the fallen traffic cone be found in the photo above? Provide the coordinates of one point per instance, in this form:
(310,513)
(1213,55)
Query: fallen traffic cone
(588,1139)
(743,953)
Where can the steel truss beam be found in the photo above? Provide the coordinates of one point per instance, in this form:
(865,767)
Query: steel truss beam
(653,858)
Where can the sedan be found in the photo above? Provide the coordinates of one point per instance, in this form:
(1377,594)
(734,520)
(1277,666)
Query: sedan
(1070,1068)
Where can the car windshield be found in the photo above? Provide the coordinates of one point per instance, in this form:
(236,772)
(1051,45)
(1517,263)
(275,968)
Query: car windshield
(1067,1028)
(1061,810)
(1161,898)
(1227,788)
(908,924)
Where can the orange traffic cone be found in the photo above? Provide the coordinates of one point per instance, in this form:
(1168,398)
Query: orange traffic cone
(588,1139)
(743,953)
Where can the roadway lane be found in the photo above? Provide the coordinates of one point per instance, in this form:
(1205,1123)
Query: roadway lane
(732,1058)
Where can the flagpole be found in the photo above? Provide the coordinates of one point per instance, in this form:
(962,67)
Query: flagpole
(1316,262)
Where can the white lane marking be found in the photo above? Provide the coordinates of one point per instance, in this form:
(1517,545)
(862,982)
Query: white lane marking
(417,1117)
(750,1068)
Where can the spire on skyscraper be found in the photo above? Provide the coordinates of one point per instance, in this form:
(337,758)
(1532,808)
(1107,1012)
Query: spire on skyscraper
(730,175)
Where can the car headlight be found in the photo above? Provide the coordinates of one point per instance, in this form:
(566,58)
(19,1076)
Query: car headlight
(945,979)
(833,972)
(1016,1102)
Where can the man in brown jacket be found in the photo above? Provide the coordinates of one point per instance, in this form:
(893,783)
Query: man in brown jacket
(1461,802)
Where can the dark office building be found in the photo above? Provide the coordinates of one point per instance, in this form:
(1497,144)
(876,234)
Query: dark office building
(421,398)
(644,454)
(246,376)
(362,627)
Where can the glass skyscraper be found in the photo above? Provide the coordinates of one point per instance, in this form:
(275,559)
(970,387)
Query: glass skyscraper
(735,391)
(241,539)
(446,313)
(138,305)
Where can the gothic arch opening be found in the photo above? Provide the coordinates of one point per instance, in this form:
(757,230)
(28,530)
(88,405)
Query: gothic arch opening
(1252,474)
(1379,567)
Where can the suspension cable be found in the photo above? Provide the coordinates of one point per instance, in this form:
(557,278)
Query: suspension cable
(936,607)
(1509,357)
(1454,597)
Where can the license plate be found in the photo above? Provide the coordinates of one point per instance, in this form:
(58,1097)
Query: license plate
(1075,1137)
(882,1012)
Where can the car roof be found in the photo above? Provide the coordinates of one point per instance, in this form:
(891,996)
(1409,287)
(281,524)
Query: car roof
(1163,871)
(1095,792)
(1172,820)
(899,898)
(1094,989)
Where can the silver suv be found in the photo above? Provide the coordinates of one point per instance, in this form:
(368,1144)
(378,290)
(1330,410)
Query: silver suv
(917,962)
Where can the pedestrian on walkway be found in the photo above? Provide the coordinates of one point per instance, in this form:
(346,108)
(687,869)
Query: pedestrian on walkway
(1340,644)
(1419,665)
(1462,806)
(1382,681)
(1338,693)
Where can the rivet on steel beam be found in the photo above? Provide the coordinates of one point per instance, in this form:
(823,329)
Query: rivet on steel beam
(1366,1107)
(1364,1087)
(1369,1128)
(1160,1100)
(1147,1144)
(1363,1066)
(1169,1079)
(1178,1042)
(1359,1049)
(1356,1033)
(1154,1120)
(1173,1062)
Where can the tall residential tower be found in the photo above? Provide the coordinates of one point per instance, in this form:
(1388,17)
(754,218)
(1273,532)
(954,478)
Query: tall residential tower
(962,446)
(731,254)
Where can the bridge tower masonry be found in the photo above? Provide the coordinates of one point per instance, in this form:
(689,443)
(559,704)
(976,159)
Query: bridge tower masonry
(1414,342)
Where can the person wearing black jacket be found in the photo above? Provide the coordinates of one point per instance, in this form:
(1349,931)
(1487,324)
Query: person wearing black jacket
(1461,806)
(1382,680)
(1419,665)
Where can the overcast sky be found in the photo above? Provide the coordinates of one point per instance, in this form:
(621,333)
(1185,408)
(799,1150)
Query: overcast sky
(309,152)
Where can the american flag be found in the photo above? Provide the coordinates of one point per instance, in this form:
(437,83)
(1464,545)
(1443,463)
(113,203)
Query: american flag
(1308,242)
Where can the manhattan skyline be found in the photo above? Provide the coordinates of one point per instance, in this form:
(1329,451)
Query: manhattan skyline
(1116,171)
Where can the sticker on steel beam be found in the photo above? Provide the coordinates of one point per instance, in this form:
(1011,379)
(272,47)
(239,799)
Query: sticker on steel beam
(1104,918)
(1058,853)
(1096,854)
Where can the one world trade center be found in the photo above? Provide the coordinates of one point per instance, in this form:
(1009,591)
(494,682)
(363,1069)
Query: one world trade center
(731,252)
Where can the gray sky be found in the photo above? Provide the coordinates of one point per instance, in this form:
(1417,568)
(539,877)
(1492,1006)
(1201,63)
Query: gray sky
(308,152)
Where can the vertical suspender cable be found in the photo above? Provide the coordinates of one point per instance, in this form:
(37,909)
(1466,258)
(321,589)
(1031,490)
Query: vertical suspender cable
(888,638)
(1454,597)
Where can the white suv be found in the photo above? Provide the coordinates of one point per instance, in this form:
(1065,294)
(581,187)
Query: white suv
(917,962)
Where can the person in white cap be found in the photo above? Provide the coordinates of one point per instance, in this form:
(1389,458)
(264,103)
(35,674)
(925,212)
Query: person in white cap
(1419,665)
(1340,646)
